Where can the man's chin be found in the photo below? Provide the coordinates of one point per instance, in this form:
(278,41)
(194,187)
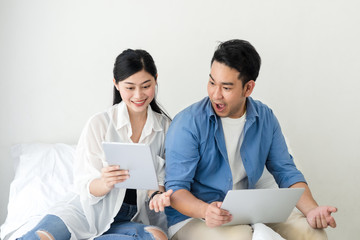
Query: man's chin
(221,114)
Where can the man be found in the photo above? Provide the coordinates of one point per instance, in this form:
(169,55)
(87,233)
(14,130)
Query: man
(224,142)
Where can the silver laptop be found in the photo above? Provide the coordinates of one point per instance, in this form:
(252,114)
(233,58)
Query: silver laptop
(251,206)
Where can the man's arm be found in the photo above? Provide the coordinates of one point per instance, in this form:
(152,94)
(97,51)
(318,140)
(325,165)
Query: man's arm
(182,158)
(281,165)
(187,204)
(317,216)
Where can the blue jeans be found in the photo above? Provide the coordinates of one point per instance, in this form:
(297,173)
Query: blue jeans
(121,228)
(51,224)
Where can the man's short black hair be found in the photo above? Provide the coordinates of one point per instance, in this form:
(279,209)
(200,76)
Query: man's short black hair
(240,55)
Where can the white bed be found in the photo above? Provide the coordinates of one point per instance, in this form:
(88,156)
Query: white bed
(43,175)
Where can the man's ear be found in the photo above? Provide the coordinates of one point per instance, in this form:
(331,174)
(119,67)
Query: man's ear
(249,87)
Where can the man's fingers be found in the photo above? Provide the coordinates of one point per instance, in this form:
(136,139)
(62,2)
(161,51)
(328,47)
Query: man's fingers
(213,222)
(213,207)
(168,193)
(222,216)
(215,216)
(324,222)
(166,202)
(332,222)
(330,219)
(332,209)
(317,221)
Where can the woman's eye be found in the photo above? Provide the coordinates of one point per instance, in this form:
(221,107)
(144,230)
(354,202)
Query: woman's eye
(147,86)
(129,88)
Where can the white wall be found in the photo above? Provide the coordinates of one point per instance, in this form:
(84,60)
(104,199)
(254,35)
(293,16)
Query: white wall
(56,61)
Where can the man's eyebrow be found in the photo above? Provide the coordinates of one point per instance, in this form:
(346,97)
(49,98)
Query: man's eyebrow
(211,77)
(227,83)
(222,83)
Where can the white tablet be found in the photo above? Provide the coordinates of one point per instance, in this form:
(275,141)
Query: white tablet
(135,157)
(251,206)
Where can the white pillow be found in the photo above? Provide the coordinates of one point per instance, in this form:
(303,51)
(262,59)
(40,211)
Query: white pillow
(43,175)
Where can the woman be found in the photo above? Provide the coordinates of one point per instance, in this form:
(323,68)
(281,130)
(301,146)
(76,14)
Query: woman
(98,210)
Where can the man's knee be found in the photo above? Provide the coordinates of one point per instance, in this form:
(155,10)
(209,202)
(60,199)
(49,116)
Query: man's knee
(297,228)
(197,229)
(238,232)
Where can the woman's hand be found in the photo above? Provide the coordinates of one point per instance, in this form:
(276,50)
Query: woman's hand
(110,176)
(160,201)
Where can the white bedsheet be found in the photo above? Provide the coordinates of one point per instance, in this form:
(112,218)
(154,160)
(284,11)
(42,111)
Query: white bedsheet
(43,175)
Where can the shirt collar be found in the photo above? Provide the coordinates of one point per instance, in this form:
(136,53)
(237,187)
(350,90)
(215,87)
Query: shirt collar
(152,123)
(251,111)
(123,116)
(210,111)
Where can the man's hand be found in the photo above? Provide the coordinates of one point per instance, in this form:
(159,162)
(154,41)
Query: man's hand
(215,216)
(320,217)
(160,201)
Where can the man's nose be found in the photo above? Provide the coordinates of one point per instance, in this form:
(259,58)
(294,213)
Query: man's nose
(217,94)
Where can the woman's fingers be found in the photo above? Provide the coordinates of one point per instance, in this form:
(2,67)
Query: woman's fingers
(113,174)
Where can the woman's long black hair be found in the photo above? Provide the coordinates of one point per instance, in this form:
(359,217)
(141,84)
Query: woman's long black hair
(130,62)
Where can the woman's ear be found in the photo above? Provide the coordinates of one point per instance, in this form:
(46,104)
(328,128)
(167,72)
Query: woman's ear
(116,86)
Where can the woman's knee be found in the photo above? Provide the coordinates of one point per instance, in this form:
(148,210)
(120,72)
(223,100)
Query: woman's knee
(43,235)
(51,227)
(157,233)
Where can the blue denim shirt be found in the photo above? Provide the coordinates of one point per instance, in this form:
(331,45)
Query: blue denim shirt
(196,156)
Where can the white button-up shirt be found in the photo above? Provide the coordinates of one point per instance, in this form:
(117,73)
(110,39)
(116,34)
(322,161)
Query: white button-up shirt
(87,216)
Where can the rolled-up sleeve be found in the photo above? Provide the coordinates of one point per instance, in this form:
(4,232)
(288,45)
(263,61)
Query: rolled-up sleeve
(182,153)
(279,162)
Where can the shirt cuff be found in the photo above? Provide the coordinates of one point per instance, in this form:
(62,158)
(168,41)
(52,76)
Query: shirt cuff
(92,199)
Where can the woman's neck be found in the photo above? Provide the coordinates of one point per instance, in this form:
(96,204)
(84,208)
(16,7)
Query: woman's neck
(137,121)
